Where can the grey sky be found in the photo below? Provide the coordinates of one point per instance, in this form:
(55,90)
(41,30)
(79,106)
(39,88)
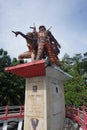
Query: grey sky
(68,19)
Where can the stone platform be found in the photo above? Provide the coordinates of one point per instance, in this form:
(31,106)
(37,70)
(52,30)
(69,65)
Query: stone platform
(27,70)
(44,95)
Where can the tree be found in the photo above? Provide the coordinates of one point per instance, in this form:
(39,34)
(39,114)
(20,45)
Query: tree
(66,63)
(11,86)
(75,88)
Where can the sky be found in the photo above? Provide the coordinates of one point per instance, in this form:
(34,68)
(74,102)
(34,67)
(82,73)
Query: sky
(68,19)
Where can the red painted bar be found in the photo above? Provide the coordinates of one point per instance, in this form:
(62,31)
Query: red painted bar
(27,70)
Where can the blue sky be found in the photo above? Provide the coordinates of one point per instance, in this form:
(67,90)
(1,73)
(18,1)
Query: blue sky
(68,19)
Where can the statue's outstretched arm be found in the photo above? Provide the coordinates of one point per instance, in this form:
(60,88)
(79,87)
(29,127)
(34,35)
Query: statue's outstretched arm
(17,33)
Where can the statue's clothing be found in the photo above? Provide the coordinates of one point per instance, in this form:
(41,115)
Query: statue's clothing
(31,40)
(44,46)
(54,42)
(40,45)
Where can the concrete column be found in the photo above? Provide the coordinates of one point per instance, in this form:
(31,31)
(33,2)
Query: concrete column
(44,95)
(44,101)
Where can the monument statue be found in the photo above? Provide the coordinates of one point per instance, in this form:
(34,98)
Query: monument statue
(44,91)
(47,44)
(31,44)
(41,45)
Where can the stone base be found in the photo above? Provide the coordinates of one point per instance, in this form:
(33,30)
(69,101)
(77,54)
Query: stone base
(44,95)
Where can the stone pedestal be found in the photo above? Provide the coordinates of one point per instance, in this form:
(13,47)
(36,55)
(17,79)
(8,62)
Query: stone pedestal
(44,96)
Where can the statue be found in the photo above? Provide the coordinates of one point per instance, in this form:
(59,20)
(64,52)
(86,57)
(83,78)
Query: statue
(47,44)
(31,44)
(41,45)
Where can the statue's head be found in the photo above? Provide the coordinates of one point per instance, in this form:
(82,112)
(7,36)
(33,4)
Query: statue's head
(42,28)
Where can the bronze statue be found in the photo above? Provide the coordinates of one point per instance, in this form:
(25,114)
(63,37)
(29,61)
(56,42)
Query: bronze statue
(47,44)
(41,45)
(31,44)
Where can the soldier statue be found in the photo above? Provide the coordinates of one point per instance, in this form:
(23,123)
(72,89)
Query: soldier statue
(41,45)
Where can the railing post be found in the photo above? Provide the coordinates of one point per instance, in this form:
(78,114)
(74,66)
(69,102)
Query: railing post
(20,111)
(72,110)
(66,109)
(78,113)
(6,112)
(84,127)
(85,120)
(84,108)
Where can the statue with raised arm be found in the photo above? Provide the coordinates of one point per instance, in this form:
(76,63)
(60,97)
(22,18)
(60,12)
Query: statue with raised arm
(31,39)
(41,45)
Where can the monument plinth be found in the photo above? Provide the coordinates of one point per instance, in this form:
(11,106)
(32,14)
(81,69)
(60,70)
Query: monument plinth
(28,70)
(44,95)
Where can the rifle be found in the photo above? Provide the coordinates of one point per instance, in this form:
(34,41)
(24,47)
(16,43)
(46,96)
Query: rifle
(16,33)
(49,28)
(34,28)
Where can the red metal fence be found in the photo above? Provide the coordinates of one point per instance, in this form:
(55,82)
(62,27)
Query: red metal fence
(11,112)
(78,114)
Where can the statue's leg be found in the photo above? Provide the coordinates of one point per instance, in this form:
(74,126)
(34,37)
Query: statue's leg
(24,55)
(33,56)
(40,51)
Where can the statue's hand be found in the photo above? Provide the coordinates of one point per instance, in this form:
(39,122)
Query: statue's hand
(16,33)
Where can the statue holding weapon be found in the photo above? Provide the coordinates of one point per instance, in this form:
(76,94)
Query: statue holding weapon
(41,45)
(31,44)
(48,44)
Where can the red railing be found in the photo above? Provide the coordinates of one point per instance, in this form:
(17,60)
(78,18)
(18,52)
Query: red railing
(78,114)
(11,112)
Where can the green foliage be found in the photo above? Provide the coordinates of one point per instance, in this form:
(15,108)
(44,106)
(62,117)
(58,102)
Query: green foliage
(75,88)
(11,86)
